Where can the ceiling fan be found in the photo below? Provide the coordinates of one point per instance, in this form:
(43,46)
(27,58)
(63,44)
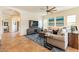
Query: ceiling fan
(50,10)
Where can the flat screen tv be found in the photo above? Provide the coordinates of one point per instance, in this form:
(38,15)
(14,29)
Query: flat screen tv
(33,23)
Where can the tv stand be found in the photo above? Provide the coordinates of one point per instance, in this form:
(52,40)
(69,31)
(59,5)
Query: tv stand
(33,31)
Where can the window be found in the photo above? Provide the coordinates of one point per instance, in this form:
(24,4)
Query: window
(71,20)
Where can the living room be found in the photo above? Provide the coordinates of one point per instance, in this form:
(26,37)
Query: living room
(39,29)
(50,27)
(68,17)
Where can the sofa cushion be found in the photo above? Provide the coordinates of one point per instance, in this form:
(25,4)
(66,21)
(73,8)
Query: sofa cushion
(58,37)
(60,32)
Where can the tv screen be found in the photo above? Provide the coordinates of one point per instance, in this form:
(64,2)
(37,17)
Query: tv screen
(35,24)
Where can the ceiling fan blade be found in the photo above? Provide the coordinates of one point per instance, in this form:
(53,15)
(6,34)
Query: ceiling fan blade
(47,7)
(51,12)
(52,8)
(47,13)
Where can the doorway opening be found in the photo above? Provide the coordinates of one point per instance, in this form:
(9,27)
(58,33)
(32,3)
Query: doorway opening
(11,20)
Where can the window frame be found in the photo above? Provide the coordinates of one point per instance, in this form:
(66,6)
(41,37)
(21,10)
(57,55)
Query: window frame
(71,23)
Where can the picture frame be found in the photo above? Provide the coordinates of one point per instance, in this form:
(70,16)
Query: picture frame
(51,22)
(60,21)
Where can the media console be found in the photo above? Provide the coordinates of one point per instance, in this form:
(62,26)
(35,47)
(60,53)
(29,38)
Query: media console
(33,31)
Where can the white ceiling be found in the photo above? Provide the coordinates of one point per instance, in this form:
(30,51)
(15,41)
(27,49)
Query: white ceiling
(10,12)
(42,8)
(37,10)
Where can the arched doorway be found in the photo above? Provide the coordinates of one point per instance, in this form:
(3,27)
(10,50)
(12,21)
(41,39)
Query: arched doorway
(11,20)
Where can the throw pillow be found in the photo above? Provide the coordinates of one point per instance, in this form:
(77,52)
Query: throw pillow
(55,31)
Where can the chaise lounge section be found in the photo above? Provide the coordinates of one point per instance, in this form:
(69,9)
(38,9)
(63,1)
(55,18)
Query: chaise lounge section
(56,40)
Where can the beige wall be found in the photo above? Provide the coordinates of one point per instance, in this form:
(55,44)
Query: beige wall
(65,13)
(1,27)
(24,23)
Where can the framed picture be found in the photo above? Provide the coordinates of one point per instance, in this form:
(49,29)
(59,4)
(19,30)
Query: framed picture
(5,23)
(51,22)
(60,21)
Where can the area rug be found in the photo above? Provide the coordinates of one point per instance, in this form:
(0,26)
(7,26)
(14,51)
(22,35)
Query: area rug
(40,41)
